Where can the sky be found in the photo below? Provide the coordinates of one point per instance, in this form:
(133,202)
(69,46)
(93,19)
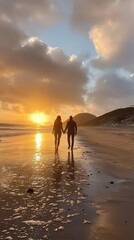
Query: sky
(63,57)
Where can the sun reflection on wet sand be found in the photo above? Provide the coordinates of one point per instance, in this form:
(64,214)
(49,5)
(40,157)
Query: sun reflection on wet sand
(38,142)
(38,138)
(57,205)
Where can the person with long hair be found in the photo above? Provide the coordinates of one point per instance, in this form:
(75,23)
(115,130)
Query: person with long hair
(57,131)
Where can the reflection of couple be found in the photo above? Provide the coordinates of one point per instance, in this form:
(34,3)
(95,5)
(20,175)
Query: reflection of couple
(71,129)
(58,169)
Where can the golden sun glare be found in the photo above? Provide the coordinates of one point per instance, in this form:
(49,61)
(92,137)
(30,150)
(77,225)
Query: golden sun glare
(39,118)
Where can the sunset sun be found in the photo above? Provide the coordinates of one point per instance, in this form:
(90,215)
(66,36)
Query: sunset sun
(39,118)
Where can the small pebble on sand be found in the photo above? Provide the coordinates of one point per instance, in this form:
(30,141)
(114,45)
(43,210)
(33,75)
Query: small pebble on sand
(30,190)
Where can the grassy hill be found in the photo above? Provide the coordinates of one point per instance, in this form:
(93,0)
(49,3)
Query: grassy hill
(122,116)
(82,118)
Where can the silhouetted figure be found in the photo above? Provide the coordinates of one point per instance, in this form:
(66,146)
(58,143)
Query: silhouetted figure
(71,128)
(57,130)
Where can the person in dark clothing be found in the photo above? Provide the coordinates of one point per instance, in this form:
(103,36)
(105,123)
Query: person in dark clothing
(71,128)
(57,130)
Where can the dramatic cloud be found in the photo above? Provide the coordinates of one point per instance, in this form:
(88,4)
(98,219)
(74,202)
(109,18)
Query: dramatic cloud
(88,13)
(30,11)
(111,91)
(107,38)
(37,76)
(110,25)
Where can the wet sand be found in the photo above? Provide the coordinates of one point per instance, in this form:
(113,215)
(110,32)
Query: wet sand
(59,207)
(113,146)
(76,195)
(113,152)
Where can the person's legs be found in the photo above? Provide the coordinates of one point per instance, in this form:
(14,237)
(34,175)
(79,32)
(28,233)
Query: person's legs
(72,136)
(55,135)
(68,139)
(59,136)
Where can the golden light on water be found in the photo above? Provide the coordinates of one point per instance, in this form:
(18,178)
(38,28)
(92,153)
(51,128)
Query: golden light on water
(38,141)
(39,118)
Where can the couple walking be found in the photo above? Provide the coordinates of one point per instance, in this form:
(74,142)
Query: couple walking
(71,128)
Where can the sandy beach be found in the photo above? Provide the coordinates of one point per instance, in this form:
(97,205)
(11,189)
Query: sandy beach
(114,146)
(113,151)
(84,194)
(59,207)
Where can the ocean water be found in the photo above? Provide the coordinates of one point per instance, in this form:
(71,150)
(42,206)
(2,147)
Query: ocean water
(15,131)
